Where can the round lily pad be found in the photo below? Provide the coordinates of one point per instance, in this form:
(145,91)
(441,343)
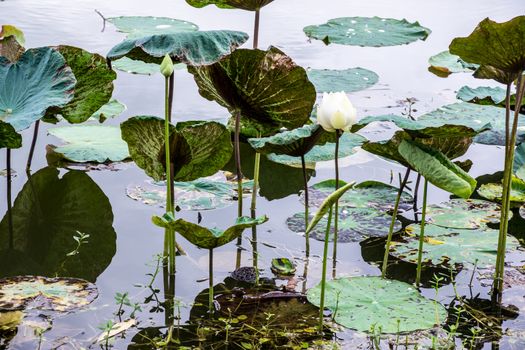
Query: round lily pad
(367,31)
(368,194)
(201,194)
(42,293)
(446,247)
(464,213)
(91,143)
(483,95)
(447,63)
(141,26)
(355,225)
(494,191)
(128,65)
(347,80)
(111,109)
(361,303)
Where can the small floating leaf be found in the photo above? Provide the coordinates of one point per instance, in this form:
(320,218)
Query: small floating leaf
(142,26)
(347,80)
(447,63)
(494,191)
(283,267)
(111,109)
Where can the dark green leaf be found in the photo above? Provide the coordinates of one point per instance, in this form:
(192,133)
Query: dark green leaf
(9,138)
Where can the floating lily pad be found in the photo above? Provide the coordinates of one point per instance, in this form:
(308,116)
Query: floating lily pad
(474,115)
(367,31)
(54,294)
(141,26)
(464,213)
(91,143)
(47,214)
(9,138)
(248,5)
(348,144)
(94,85)
(283,267)
(38,80)
(194,48)
(482,95)
(128,65)
(200,194)
(447,63)
(392,306)
(494,191)
(111,109)
(347,80)
(355,225)
(447,247)
(368,194)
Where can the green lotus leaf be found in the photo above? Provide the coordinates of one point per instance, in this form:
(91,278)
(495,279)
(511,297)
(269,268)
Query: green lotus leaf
(474,116)
(494,191)
(248,5)
(445,63)
(435,167)
(200,194)
(11,31)
(283,267)
(94,85)
(290,182)
(449,248)
(483,95)
(518,167)
(90,143)
(296,142)
(391,306)
(367,194)
(54,294)
(111,109)
(499,49)
(355,225)
(47,213)
(347,80)
(9,138)
(266,87)
(193,48)
(128,65)
(367,31)
(348,144)
(198,149)
(207,238)
(141,26)
(10,320)
(464,213)
(38,80)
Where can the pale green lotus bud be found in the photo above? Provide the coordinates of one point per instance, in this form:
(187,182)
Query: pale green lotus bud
(336,112)
(166,67)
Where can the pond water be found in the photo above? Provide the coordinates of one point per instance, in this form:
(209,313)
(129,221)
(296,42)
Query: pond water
(402,73)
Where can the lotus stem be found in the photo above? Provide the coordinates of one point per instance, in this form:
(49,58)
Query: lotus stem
(253,208)
(393,222)
(9,197)
(306,206)
(416,195)
(256,29)
(421,234)
(33,144)
(336,219)
(210,290)
(323,277)
(169,198)
(507,182)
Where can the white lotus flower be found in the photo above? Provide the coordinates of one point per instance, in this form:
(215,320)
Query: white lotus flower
(336,112)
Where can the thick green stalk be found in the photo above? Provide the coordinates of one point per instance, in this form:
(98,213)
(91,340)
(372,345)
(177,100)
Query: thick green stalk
(422,234)
(169,207)
(393,222)
(210,291)
(323,278)
(336,220)
(306,206)
(253,208)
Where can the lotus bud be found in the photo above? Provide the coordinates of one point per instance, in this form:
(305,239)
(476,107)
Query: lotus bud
(166,67)
(336,112)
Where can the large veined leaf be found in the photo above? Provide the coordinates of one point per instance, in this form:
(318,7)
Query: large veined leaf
(204,237)
(348,144)
(355,224)
(38,80)
(390,306)
(446,247)
(347,80)
(94,85)
(194,48)
(90,143)
(499,49)
(266,87)
(474,116)
(367,194)
(435,167)
(9,138)
(198,149)
(47,214)
(248,5)
(367,31)
(41,293)
(140,26)
(464,213)
(494,191)
(444,63)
